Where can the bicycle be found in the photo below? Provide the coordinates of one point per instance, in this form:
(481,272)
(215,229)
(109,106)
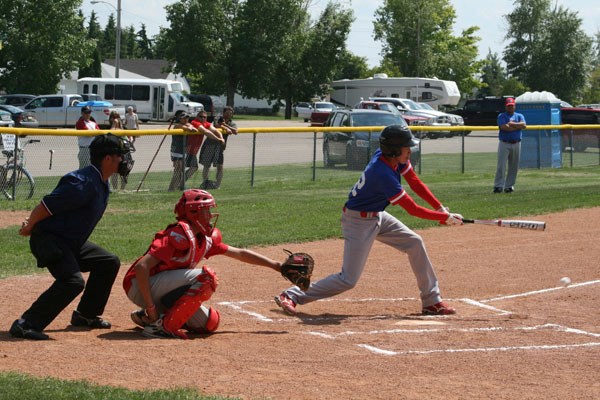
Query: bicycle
(15,181)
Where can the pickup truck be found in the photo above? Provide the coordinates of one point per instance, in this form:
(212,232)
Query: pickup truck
(63,110)
(320,113)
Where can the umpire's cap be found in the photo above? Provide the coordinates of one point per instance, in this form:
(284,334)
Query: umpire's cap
(108,144)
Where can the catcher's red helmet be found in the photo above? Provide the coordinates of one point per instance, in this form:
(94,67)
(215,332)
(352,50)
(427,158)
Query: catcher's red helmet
(194,206)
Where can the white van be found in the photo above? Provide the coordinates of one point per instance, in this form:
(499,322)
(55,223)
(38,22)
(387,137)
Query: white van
(153,99)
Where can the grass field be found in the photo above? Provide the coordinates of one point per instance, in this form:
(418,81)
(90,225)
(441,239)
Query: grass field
(282,208)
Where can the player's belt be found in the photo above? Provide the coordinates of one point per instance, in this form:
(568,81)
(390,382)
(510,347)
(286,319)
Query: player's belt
(511,141)
(362,214)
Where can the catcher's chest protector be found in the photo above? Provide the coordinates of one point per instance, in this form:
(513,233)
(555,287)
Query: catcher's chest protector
(191,253)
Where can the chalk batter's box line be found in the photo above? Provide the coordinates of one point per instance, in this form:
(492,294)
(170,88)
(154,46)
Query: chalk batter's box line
(542,291)
(386,352)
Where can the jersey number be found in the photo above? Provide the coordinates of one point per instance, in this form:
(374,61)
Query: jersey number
(359,185)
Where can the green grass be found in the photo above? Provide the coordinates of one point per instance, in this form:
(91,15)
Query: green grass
(286,205)
(17,386)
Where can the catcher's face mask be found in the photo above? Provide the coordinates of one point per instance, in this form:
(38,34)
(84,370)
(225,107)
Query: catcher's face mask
(194,206)
(126,165)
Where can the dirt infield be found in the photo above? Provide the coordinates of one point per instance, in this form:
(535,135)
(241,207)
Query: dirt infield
(518,333)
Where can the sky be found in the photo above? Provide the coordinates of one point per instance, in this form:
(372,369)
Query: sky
(486,14)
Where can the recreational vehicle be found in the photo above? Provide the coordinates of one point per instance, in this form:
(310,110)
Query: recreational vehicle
(153,99)
(435,92)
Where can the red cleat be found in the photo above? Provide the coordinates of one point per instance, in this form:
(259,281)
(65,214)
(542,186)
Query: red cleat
(440,308)
(287,304)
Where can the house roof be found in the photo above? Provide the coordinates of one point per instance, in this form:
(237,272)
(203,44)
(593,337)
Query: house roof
(154,69)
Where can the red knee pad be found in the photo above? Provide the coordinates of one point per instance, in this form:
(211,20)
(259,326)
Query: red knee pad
(212,323)
(185,306)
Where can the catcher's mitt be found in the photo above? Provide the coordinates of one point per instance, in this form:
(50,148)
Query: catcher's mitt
(298,269)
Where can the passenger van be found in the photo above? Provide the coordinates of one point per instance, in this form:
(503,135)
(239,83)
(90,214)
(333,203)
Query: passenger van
(153,99)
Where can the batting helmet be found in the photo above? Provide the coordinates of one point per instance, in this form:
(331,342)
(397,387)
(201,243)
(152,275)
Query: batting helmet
(194,206)
(393,138)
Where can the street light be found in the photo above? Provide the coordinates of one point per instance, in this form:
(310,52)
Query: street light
(118,45)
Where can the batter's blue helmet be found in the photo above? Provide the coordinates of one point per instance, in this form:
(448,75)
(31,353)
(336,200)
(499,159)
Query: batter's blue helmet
(393,138)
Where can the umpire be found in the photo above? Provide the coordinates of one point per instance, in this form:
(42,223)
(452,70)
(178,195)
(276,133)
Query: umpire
(59,228)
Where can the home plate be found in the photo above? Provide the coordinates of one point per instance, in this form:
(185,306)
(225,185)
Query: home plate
(419,322)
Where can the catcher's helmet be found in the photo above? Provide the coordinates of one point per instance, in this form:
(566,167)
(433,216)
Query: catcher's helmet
(393,138)
(194,206)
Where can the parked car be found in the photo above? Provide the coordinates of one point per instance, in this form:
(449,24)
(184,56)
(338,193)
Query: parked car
(482,112)
(589,106)
(320,113)
(411,120)
(21,118)
(582,138)
(356,148)
(16,100)
(409,107)
(304,109)
(6,120)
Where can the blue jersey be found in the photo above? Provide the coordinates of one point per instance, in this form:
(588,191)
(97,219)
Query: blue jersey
(505,118)
(76,205)
(379,185)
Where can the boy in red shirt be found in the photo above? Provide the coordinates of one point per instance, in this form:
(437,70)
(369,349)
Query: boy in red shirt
(194,142)
(165,281)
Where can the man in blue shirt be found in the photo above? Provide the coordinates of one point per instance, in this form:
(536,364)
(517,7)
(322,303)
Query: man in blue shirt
(511,125)
(59,228)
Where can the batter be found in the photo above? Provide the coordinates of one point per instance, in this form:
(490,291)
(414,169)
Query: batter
(365,220)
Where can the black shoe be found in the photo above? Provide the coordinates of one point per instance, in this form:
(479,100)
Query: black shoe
(21,330)
(497,190)
(509,190)
(96,322)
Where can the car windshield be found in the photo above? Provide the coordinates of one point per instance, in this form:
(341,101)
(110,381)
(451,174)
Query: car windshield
(426,106)
(328,106)
(412,105)
(377,119)
(11,109)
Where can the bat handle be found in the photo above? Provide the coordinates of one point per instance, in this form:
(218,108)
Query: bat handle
(468,221)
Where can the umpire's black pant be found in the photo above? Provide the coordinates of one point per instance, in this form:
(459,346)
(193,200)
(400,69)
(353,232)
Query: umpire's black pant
(103,268)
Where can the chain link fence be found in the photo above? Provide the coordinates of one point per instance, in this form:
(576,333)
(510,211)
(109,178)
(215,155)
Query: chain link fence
(255,156)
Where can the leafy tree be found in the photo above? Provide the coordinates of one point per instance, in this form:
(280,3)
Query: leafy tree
(417,37)
(548,49)
(493,76)
(35,56)
(592,91)
(350,66)
(108,41)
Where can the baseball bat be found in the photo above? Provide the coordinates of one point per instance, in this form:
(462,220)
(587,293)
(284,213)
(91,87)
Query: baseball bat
(510,223)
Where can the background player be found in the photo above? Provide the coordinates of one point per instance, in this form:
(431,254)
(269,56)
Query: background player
(165,281)
(364,221)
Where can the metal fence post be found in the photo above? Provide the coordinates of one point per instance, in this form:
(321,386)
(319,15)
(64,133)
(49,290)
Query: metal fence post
(253,159)
(462,162)
(314,178)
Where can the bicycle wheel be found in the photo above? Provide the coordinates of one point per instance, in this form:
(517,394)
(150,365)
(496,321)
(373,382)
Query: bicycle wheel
(16,186)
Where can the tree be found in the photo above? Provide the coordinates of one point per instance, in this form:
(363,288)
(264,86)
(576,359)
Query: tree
(350,66)
(144,44)
(417,37)
(548,50)
(93,68)
(35,56)
(493,76)
(592,91)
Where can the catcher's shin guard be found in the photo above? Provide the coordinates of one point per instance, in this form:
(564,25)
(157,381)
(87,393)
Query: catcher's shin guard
(186,305)
(211,325)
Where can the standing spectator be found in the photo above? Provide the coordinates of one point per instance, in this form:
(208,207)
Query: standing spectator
(116,124)
(365,220)
(511,126)
(178,150)
(194,142)
(131,120)
(85,122)
(59,228)
(212,151)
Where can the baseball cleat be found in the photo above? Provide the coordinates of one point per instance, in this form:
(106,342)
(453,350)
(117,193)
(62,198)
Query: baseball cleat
(440,308)
(77,319)
(137,317)
(23,331)
(288,306)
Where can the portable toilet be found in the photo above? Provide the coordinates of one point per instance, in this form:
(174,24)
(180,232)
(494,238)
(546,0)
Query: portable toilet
(540,148)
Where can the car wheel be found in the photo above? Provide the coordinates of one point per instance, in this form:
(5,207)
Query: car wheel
(579,147)
(305,119)
(326,158)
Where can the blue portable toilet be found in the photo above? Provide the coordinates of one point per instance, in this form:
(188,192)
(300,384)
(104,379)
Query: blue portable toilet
(540,148)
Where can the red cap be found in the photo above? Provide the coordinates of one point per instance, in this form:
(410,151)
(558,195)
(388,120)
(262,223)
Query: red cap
(509,102)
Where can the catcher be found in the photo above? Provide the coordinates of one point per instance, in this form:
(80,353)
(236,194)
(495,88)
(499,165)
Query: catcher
(165,281)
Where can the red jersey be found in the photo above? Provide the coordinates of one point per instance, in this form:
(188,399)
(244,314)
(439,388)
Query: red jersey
(194,141)
(176,247)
